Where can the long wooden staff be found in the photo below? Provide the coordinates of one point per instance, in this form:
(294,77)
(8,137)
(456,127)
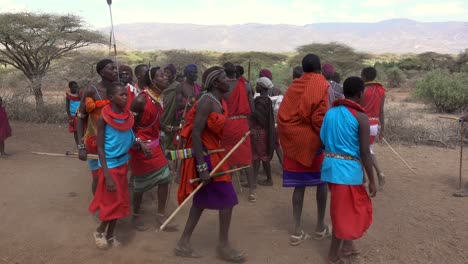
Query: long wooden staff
(220,174)
(67,154)
(176,211)
(398,155)
(462,142)
(449,117)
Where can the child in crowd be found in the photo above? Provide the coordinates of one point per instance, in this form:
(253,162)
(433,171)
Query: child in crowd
(72,103)
(114,140)
(263,130)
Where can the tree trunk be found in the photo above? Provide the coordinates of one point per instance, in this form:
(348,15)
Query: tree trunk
(37,91)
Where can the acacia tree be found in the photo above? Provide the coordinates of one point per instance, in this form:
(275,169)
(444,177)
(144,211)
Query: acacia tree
(31,41)
(345,59)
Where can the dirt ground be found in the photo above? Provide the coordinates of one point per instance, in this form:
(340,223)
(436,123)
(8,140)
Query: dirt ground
(44,217)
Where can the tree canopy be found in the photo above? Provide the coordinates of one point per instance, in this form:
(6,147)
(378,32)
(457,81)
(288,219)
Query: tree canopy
(31,41)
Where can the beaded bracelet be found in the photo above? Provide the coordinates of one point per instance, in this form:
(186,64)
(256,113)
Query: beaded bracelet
(202,167)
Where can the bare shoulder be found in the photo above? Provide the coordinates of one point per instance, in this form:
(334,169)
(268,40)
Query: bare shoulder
(362,118)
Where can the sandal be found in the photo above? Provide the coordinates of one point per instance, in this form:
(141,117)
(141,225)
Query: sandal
(296,240)
(185,252)
(460,193)
(231,255)
(337,261)
(100,240)
(327,232)
(381,177)
(114,242)
(252,198)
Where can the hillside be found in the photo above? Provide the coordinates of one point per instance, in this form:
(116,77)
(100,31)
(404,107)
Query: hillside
(395,36)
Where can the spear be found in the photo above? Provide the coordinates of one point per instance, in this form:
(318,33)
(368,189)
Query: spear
(109,2)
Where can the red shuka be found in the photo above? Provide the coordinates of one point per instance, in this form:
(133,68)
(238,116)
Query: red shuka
(350,210)
(112,205)
(211,137)
(372,101)
(237,125)
(148,129)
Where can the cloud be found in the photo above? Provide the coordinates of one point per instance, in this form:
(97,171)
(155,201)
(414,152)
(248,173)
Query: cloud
(9,6)
(438,9)
(382,3)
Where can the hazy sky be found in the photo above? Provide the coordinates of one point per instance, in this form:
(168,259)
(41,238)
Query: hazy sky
(298,12)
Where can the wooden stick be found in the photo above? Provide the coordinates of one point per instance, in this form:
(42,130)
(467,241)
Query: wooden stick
(398,155)
(462,142)
(449,117)
(176,211)
(208,152)
(67,154)
(220,174)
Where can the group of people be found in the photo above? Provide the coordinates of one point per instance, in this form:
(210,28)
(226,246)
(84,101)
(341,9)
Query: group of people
(321,131)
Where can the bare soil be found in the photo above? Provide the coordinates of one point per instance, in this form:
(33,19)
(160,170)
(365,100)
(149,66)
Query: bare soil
(44,216)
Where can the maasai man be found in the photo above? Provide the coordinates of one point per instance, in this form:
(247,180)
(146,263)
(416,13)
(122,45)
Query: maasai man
(263,130)
(114,139)
(5,129)
(140,71)
(373,102)
(93,99)
(335,90)
(336,77)
(126,77)
(345,135)
(169,97)
(72,102)
(203,131)
(299,120)
(297,72)
(276,97)
(150,169)
(187,91)
(240,104)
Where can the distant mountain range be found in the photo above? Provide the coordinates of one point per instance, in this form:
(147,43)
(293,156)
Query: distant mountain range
(395,36)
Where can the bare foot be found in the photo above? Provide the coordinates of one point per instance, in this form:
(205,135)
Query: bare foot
(185,251)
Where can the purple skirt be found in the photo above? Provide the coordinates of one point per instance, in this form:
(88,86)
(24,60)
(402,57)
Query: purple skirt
(216,196)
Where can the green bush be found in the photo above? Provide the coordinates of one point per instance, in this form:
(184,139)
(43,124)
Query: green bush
(395,77)
(447,92)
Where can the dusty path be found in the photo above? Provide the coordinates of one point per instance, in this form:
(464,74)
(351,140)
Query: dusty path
(44,218)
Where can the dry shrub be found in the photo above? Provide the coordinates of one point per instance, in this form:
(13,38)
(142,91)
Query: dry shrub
(20,105)
(411,123)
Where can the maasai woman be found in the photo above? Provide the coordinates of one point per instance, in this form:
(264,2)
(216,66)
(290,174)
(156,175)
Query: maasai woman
(5,129)
(114,139)
(345,135)
(203,130)
(263,130)
(72,103)
(93,99)
(150,169)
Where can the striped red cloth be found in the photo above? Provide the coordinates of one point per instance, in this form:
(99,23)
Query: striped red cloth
(301,115)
